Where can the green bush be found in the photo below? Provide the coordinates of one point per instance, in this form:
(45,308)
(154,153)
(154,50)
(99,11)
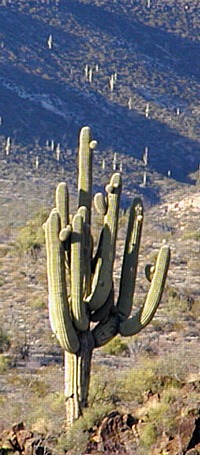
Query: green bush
(4,364)
(4,341)
(31,236)
(148,435)
(117,346)
(138,380)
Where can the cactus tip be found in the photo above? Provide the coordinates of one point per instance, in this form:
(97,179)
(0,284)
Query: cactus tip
(93,145)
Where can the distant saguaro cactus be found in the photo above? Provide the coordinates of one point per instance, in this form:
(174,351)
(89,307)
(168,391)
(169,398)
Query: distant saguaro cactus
(83,312)
(50,42)
(8,146)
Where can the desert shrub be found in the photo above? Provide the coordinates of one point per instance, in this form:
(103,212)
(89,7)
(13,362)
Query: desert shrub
(4,364)
(2,281)
(31,236)
(193,235)
(170,394)
(38,304)
(162,415)
(39,387)
(49,413)
(148,436)
(136,381)
(76,438)
(4,341)
(117,346)
(4,250)
(173,368)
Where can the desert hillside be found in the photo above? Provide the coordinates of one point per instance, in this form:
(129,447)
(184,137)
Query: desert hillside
(58,63)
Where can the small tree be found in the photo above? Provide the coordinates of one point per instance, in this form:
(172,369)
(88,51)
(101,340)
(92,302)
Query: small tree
(82,310)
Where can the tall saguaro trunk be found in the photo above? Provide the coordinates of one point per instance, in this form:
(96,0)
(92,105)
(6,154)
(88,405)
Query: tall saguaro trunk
(77,378)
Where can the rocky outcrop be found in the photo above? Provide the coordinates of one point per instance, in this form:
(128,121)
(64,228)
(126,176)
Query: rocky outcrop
(19,440)
(118,434)
(185,442)
(115,434)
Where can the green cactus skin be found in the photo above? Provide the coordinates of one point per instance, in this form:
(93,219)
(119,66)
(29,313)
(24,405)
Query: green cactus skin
(100,203)
(81,287)
(80,318)
(62,203)
(130,260)
(133,325)
(103,313)
(58,300)
(102,281)
(85,171)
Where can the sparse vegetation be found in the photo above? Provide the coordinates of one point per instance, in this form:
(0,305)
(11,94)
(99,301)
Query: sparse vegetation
(117,346)
(31,236)
(4,341)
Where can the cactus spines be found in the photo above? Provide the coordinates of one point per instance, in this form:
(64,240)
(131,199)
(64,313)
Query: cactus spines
(81,287)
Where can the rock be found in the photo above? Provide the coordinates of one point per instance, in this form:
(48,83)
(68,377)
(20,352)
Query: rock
(187,439)
(22,437)
(22,441)
(113,435)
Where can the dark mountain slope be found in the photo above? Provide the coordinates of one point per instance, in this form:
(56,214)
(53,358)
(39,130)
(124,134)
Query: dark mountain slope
(45,94)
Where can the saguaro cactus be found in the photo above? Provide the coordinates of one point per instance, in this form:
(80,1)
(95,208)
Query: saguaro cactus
(83,312)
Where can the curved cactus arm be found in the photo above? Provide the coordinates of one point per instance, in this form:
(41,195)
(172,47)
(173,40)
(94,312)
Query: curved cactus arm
(133,325)
(103,333)
(62,206)
(52,308)
(102,280)
(62,203)
(130,260)
(86,147)
(103,313)
(149,272)
(100,203)
(58,301)
(80,318)
(65,233)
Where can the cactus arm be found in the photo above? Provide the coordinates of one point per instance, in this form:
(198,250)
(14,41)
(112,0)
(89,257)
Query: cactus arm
(52,312)
(65,233)
(130,260)
(100,203)
(58,301)
(133,325)
(102,280)
(62,203)
(86,146)
(103,333)
(103,313)
(77,271)
(87,251)
(62,206)
(149,271)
